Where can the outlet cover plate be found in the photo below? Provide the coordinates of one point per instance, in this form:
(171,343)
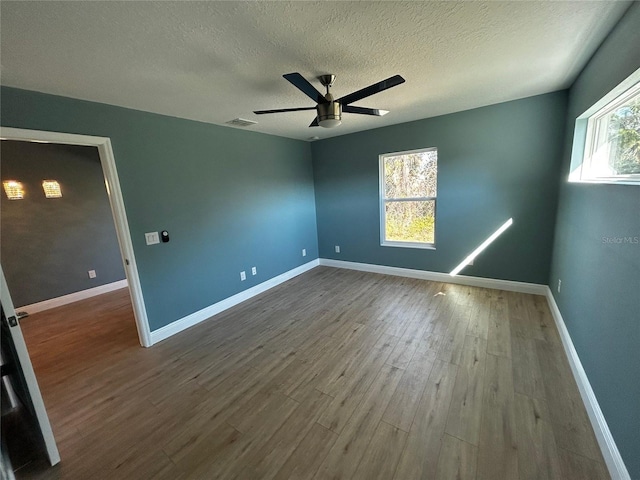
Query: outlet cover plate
(152,238)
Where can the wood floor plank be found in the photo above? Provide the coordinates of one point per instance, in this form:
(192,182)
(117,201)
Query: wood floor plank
(480,314)
(432,341)
(329,362)
(465,411)
(443,314)
(422,448)
(499,335)
(237,397)
(577,467)
(409,343)
(154,465)
(345,455)
(527,375)
(537,453)
(259,410)
(237,455)
(210,447)
(453,341)
(404,403)
(309,455)
(382,454)
(518,314)
(354,390)
(457,460)
(370,350)
(266,463)
(497,448)
(540,315)
(570,423)
(221,403)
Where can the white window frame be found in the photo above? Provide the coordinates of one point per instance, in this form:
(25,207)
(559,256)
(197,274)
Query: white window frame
(383,201)
(586,135)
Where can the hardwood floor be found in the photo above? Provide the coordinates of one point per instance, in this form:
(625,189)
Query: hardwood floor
(334,375)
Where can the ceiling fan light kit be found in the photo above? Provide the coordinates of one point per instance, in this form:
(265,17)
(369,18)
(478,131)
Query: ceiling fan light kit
(329,114)
(329,111)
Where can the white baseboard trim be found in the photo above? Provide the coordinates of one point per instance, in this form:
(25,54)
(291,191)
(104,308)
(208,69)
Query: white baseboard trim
(522,287)
(208,312)
(72,297)
(610,452)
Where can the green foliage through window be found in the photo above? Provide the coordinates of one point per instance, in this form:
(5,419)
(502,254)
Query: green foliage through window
(409,190)
(624,138)
(612,147)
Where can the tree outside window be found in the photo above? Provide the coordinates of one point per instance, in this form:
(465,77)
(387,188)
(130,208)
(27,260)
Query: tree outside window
(408,194)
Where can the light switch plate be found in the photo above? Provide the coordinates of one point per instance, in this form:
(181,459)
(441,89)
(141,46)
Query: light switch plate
(152,238)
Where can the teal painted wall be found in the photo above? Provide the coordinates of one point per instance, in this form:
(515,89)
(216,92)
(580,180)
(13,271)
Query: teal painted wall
(494,163)
(47,246)
(599,299)
(230,199)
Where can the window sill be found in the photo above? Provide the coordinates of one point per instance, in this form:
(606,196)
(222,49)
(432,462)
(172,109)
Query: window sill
(424,246)
(606,181)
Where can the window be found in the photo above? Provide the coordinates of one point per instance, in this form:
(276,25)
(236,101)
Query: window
(408,190)
(610,132)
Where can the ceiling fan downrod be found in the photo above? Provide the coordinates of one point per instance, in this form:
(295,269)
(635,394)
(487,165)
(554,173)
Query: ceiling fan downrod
(329,112)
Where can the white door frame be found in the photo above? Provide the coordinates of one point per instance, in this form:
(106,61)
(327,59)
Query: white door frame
(117,209)
(29,375)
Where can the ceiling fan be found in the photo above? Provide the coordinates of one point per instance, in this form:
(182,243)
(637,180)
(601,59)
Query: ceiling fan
(329,111)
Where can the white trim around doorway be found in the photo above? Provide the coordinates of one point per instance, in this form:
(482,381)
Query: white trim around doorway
(117,209)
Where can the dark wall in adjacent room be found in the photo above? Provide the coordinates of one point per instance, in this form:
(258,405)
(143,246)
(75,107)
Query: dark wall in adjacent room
(48,245)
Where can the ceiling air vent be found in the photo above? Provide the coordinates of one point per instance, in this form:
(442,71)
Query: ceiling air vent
(241,122)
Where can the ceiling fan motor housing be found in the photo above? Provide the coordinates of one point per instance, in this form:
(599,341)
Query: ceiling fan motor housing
(329,114)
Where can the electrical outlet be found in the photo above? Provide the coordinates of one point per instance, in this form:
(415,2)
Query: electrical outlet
(304,252)
(92,273)
(559,285)
(254,271)
(243,276)
(337,248)
(471,261)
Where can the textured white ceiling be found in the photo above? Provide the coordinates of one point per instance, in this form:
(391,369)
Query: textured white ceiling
(215,61)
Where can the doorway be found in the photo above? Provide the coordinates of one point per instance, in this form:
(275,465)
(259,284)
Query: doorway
(116,204)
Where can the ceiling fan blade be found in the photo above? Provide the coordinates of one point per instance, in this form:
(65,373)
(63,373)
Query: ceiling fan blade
(364,111)
(371,90)
(314,123)
(303,84)
(280,110)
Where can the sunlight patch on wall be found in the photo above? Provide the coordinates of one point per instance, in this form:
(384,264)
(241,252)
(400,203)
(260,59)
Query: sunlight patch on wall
(481,248)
